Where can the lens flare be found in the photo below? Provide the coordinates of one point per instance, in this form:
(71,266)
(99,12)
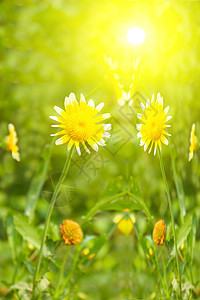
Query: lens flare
(136,36)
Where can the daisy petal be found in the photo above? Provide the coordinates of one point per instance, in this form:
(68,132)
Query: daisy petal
(169,118)
(70,144)
(148,103)
(59,110)
(72,97)
(105,116)
(166,110)
(107,127)
(85,147)
(91,103)
(106,134)
(100,106)
(159,99)
(142,143)
(142,106)
(139,116)
(54,118)
(101,142)
(78,150)
(82,98)
(67,101)
(59,133)
(138,126)
(64,139)
(164,140)
(93,144)
(155,150)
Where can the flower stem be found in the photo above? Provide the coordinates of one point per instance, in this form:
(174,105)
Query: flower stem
(158,269)
(98,206)
(164,271)
(47,221)
(172,218)
(78,250)
(141,202)
(61,272)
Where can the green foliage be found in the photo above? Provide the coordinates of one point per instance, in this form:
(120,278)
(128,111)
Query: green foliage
(51,48)
(29,232)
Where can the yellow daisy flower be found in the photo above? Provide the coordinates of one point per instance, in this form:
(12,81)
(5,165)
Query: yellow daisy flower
(11,142)
(81,124)
(154,118)
(193,142)
(125,226)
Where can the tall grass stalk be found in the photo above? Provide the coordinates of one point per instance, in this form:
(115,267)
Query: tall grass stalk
(47,221)
(172,218)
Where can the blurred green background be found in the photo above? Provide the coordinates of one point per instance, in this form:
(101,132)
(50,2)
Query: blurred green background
(51,48)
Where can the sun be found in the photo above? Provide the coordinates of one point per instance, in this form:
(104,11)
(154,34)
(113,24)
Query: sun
(136,36)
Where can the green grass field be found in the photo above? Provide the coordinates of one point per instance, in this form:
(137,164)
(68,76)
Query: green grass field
(97,177)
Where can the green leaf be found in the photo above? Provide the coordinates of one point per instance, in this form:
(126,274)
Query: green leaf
(38,182)
(11,233)
(192,237)
(22,286)
(53,232)
(178,184)
(42,286)
(29,233)
(183,232)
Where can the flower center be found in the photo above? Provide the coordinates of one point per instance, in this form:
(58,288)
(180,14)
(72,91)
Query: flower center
(153,128)
(80,127)
(156,128)
(81,124)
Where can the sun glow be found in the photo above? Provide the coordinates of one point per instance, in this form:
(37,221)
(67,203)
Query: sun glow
(136,36)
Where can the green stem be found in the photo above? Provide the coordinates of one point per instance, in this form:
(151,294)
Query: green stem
(47,221)
(98,205)
(164,271)
(141,202)
(78,249)
(15,273)
(61,272)
(158,269)
(172,218)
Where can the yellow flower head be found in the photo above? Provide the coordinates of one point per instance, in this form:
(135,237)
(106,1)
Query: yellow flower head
(154,118)
(147,255)
(193,142)
(85,251)
(81,123)
(125,226)
(11,142)
(159,232)
(71,232)
(91,256)
(151,251)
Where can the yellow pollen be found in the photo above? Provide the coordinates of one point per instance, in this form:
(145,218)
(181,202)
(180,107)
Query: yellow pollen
(80,127)
(81,124)
(153,128)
